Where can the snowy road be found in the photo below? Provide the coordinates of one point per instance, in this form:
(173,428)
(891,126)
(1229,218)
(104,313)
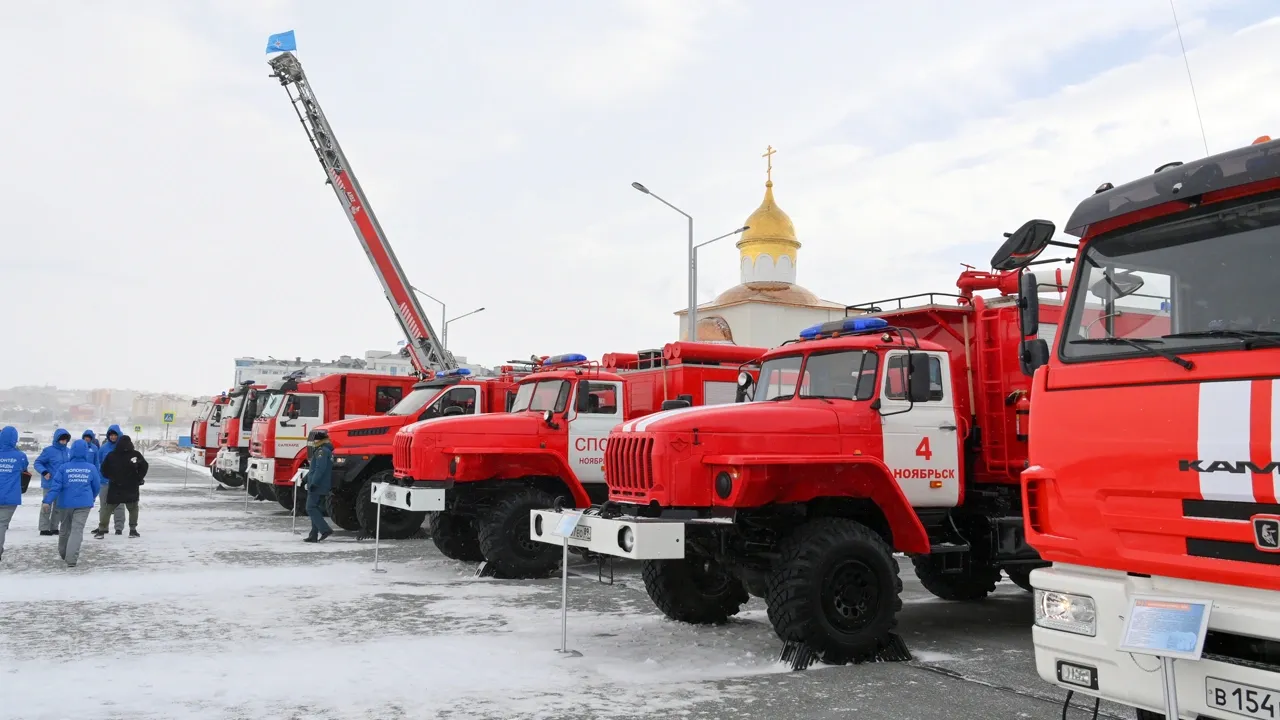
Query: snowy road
(221,613)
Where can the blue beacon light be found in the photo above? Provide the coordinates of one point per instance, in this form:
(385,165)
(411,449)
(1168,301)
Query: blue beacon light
(847,325)
(560,359)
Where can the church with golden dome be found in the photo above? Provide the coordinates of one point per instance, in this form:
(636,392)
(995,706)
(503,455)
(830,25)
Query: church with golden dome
(766,307)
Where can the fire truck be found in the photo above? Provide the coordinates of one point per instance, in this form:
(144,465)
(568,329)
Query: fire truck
(900,428)
(232,460)
(1155,429)
(363,446)
(489,472)
(205,429)
(297,405)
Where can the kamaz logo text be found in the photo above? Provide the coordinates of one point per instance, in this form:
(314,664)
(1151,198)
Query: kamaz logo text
(1238,467)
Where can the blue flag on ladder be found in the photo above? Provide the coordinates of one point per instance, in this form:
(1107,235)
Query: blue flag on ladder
(280,42)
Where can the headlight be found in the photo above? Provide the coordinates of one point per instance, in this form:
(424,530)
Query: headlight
(340,460)
(626,539)
(1064,611)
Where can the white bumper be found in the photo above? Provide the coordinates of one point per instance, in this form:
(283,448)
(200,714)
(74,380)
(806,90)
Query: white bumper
(262,470)
(624,537)
(198,456)
(408,498)
(226,461)
(1132,679)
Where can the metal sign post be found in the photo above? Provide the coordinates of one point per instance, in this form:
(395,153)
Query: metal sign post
(377,525)
(297,480)
(186,469)
(246,493)
(1170,629)
(568,523)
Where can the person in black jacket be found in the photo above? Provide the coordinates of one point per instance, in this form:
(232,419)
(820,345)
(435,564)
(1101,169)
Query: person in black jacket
(127,471)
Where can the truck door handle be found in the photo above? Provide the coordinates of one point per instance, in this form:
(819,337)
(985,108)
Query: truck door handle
(947,427)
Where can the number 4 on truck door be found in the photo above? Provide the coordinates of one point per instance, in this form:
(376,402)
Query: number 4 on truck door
(921,445)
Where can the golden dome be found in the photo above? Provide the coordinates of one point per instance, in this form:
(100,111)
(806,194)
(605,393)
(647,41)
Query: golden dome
(767,292)
(767,228)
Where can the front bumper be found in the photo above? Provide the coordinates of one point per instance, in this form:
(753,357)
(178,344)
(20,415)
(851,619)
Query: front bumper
(633,538)
(1135,680)
(262,470)
(227,461)
(199,457)
(417,499)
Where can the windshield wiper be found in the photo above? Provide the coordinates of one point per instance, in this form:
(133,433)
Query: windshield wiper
(1251,338)
(1143,344)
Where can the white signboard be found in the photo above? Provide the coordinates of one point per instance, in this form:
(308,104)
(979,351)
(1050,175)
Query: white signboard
(1166,627)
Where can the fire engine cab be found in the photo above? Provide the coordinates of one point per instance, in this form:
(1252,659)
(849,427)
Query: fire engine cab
(362,446)
(297,405)
(1155,437)
(242,407)
(490,472)
(899,428)
(205,429)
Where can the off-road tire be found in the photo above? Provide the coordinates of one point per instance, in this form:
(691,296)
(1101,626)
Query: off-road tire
(397,524)
(817,559)
(455,537)
(342,510)
(1147,715)
(505,541)
(285,498)
(1020,576)
(976,581)
(266,491)
(694,590)
(251,487)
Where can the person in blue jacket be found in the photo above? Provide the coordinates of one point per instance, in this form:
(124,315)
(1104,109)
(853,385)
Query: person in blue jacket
(113,437)
(319,484)
(74,489)
(13,465)
(89,437)
(51,458)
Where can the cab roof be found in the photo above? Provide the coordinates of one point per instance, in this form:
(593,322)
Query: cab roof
(860,341)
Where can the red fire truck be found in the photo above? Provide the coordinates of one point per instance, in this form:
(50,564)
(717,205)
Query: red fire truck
(232,460)
(1156,438)
(899,428)
(489,472)
(205,429)
(297,405)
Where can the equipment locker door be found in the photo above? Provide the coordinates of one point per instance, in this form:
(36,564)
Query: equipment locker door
(597,410)
(921,445)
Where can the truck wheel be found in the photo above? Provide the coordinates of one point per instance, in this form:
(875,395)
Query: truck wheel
(504,536)
(1021,576)
(456,538)
(266,491)
(1148,715)
(835,587)
(342,510)
(397,524)
(284,496)
(251,486)
(975,581)
(230,480)
(694,590)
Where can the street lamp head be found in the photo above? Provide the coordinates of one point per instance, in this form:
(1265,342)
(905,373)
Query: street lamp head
(640,187)
(742,229)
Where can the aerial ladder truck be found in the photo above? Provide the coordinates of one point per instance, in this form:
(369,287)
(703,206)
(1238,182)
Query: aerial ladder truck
(426,352)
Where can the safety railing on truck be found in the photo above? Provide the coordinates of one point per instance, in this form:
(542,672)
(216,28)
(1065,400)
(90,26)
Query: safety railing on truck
(900,303)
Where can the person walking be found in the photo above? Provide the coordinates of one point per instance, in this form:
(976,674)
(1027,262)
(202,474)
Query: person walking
(73,489)
(113,437)
(91,438)
(319,483)
(124,471)
(51,458)
(13,475)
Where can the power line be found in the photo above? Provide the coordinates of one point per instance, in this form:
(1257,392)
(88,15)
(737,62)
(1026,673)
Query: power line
(1203,137)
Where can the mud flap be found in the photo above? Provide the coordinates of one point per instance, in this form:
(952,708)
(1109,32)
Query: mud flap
(800,656)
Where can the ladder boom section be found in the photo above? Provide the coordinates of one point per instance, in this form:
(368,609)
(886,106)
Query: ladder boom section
(425,349)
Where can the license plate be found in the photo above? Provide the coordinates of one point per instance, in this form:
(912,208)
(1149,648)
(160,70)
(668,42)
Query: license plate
(1246,700)
(1078,675)
(582,532)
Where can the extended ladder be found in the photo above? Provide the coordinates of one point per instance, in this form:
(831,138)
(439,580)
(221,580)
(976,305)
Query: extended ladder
(425,349)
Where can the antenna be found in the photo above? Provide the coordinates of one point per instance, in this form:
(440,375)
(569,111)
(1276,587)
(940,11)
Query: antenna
(1203,138)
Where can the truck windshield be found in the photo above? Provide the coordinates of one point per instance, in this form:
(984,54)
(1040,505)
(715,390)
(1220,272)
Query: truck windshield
(271,406)
(233,407)
(542,395)
(413,403)
(844,374)
(778,377)
(1203,283)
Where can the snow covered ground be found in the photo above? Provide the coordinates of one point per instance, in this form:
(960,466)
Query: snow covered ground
(221,613)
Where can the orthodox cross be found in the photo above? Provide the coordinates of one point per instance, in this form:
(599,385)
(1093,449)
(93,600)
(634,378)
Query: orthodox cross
(769,156)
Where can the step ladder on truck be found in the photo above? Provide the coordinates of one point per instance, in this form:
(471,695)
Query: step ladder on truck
(898,429)
(1154,477)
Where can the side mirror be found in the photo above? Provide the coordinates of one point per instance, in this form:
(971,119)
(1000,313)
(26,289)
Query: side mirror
(1116,286)
(1028,304)
(454,410)
(918,380)
(582,401)
(1023,245)
(1034,354)
(675,404)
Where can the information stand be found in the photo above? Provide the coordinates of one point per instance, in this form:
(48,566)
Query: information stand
(568,523)
(1168,628)
(403,498)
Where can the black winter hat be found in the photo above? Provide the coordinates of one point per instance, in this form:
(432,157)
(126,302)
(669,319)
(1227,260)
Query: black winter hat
(319,435)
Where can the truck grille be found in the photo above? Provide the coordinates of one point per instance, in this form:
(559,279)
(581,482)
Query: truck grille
(628,464)
(401,452)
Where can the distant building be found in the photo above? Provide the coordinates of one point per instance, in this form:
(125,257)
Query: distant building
(374,361)
(99,398)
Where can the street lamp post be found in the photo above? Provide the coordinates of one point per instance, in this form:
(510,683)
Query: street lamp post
(444,340)
(442,313)
(694,274)
(693,263)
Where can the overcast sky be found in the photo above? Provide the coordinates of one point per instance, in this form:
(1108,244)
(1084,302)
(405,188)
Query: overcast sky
(161,211)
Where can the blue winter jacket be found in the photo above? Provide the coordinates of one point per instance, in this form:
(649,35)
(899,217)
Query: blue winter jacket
(77,482)
(52,457)
(108,446)
(92,441)
(13,462)
(320,476)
